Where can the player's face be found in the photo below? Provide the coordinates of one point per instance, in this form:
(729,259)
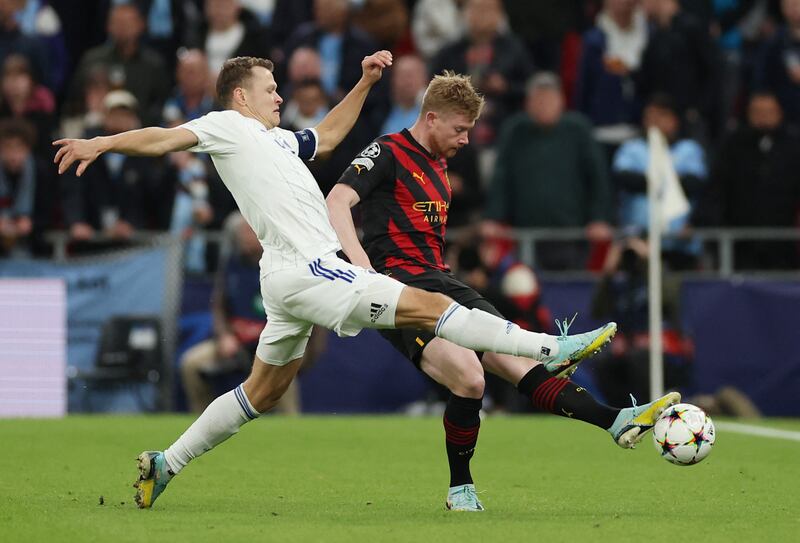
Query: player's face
(449,132)
(262,98)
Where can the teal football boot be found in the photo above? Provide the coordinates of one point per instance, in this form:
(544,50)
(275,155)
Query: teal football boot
(573,349)
(154,474)
(633,422)
(463,498)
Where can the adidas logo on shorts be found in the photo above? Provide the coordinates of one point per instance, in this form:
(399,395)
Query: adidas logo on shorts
(376,310)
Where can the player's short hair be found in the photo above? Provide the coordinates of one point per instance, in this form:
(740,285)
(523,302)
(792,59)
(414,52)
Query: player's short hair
(450,92)
(235,73)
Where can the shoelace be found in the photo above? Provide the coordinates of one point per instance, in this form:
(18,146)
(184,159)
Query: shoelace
(564,328)
(633,400)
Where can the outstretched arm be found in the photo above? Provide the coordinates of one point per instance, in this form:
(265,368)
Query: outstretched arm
(151,141)
(340,199)
(340,120)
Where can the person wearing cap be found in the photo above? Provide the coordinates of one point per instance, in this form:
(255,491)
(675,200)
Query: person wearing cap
(123,193)
(550,173)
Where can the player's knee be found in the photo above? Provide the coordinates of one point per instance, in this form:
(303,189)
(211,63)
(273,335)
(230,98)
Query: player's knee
(473,385)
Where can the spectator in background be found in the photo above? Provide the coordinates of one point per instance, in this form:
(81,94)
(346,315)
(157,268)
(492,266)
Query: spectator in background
(630,176)
(778,66)
(682,61)
(121,194)
(341,47)
(550,172)
(262,9)
(12,40)
(495,59)
(22,98)
(303,65)
(755,183)
(386,22)
(129,64)
(167,26)
(409,81)
(436,23)
(307,106)
(84,113)
(193,95)
(510,286)
(191,211)
(228,31)
(611,53)
(39,20)
(238,317)
(25,189)
(286,17)
(543,24)
(622,295)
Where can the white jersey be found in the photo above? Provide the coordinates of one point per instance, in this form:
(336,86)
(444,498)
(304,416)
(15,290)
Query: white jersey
(276,193)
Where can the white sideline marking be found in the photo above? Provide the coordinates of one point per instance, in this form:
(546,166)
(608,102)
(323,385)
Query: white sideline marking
(752,430)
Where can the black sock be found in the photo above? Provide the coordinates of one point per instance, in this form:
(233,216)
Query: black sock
(565,398)
(461,425)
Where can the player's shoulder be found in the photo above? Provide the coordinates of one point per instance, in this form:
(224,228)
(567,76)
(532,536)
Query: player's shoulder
(379,148)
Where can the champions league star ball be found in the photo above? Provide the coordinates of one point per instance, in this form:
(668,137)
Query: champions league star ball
(684,434)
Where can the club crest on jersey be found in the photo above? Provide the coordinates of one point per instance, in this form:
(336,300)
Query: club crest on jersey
(360,163)
(373,150)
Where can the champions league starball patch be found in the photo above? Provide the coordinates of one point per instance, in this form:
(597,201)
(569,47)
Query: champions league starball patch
(372,150)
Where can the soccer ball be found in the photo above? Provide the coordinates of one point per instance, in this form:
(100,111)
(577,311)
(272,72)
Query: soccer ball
(684,434)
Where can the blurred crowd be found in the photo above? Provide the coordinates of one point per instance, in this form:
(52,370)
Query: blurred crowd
(571,87)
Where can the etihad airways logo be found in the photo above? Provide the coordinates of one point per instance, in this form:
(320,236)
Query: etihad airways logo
(435,211)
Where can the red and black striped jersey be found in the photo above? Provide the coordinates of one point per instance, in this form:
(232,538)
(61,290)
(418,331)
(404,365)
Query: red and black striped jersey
(405,195)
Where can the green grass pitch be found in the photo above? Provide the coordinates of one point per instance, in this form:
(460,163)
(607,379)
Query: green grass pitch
(348,479)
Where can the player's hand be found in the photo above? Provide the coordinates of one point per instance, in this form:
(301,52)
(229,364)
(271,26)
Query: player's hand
(373,65)
(82,151)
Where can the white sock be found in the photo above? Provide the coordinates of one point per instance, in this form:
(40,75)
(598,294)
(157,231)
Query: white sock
(217,423)
(482,331)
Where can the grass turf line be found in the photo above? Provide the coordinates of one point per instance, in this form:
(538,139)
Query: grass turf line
(385,479)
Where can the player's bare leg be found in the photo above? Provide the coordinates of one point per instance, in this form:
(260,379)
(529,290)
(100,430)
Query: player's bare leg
(222,419)
(460,371)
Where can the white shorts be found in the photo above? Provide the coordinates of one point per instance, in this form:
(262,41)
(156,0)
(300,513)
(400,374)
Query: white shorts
(329,292)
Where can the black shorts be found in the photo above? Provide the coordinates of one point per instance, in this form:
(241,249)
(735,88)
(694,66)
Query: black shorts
(412,342)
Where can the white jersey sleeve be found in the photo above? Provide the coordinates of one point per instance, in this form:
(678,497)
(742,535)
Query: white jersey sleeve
(303,142)
(216,132)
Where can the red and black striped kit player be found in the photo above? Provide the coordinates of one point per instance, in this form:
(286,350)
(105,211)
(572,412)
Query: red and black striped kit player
(401,186)
(404,223)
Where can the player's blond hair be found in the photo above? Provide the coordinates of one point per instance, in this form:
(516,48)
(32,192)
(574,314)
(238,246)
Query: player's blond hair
(450,92)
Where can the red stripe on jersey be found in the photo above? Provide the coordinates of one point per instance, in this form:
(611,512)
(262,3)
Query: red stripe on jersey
(433,240)
(401,140)
(434,236)
(408,247)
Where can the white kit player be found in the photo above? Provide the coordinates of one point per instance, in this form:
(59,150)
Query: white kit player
(303,282)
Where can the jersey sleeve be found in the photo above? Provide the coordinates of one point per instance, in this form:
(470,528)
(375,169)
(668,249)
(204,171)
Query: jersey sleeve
(303,142)
(373,166)
(216,133)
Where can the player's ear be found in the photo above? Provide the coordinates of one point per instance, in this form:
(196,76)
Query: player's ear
(239,96)
(430,117)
